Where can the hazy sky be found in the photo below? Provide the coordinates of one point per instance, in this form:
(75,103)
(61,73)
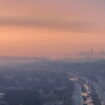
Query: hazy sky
(51,28)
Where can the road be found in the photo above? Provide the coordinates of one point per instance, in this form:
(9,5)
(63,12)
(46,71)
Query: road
(88,93)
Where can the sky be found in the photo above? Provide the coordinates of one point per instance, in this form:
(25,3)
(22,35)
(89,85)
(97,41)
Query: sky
(51,28)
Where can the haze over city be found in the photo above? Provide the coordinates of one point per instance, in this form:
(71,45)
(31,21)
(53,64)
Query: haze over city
(52,52)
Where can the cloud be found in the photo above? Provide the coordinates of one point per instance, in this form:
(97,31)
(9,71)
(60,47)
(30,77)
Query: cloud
(70,15)
(57,24)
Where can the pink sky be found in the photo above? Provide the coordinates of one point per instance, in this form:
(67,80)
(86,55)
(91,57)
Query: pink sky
(51,28)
